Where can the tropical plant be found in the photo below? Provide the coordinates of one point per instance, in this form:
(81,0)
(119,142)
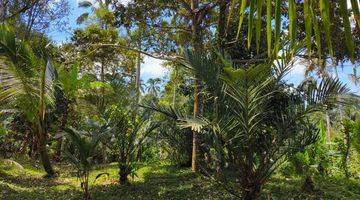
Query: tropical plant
(27,86)
(255,13)
(153,86)
(130,132)
(82,150)
(262,120)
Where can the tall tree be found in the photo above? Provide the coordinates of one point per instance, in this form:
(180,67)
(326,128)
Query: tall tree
(28,83)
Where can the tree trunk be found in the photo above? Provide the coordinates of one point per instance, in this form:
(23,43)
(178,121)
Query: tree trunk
(41,128)
(174,88)
(138,71)
(328,128)
(196,42)
(123,175)
(252,192)
(102,77)
(85,186)
(347,150)
(44,155)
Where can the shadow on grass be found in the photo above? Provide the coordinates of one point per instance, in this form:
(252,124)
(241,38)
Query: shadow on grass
(163,182)
(168,182)
(325,188)
(34,188)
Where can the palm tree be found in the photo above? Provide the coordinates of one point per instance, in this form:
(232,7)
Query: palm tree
(85,145)
(130,132)
(153,86)
(26,86)
(261,120)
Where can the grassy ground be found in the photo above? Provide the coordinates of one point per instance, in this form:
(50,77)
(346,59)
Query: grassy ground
(153,182)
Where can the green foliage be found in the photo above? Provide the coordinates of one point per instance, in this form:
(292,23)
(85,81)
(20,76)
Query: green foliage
(84,144)
(130,132)
(262,115)
(356,134)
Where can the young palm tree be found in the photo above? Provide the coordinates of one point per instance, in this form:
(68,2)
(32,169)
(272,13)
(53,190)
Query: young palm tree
(85,145)
(130,132)
(26,86)
(260,121)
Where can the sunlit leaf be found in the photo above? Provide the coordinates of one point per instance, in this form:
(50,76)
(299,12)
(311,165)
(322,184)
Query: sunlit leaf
(277,25)
(250,22)
(348,36)
(292,20)
(258,23)
(268,25)
(308,25)
(241,17)
(325,15)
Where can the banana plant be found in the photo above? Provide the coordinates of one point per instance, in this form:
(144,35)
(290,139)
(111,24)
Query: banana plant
(27,86)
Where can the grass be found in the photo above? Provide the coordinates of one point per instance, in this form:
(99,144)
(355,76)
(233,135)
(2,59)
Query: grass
(153,182)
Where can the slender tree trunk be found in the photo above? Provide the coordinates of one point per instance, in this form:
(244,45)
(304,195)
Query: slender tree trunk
(42,130)
(44,156)
(347,150)
(138,72)
(196,42)
(328,129)
(138,89)
(102,77)
(174,88)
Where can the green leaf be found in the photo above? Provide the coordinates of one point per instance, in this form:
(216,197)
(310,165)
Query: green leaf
(258,23)
(250,22)
(268,25)
(325,15)
(348,36)
(308,25)
(277,25)
(241,17)
(316,32)
(292,20)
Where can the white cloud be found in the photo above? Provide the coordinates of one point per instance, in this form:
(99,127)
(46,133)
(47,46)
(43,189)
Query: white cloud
(152,68)
(298,69)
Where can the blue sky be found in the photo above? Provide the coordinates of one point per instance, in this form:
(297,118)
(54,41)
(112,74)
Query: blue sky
(152,68)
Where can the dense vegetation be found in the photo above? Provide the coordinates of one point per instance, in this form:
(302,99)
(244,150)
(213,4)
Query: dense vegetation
(77,120)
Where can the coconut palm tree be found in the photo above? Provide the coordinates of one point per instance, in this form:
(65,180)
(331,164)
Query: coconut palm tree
(26,86)
(153,86)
